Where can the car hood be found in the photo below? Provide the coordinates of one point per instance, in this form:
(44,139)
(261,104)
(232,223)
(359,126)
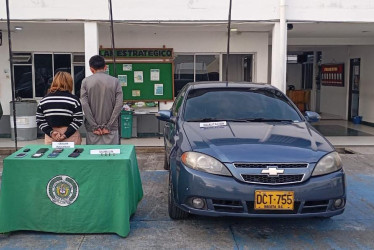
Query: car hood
(258,142)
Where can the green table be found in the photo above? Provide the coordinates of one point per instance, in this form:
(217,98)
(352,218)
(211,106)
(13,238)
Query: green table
(87,194)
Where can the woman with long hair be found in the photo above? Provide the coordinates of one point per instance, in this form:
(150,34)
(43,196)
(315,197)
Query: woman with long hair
(59,114)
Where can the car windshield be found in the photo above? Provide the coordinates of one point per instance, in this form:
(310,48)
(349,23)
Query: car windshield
(239,104)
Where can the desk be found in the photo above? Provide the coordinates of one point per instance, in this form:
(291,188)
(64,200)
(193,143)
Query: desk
(109,189)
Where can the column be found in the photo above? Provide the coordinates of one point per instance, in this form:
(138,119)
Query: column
(91,43)
(279,50)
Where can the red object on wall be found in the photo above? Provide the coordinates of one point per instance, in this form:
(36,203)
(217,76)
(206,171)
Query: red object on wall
(332,75)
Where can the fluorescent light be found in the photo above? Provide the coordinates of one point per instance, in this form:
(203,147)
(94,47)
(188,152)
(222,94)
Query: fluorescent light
(18,28)
(233,29)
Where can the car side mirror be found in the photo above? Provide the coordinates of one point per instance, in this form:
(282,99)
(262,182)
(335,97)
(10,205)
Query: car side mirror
(165,115)
(311,116)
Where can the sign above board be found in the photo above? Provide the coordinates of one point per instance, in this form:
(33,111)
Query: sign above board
(138,53)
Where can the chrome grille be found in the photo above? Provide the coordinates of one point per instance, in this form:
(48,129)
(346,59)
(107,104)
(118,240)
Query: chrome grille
(264,179)
(266,165)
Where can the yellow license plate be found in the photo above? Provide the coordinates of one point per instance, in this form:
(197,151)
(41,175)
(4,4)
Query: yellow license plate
(274,200)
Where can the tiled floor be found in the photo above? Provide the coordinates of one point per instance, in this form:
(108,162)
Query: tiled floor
(345,133)
(338,132)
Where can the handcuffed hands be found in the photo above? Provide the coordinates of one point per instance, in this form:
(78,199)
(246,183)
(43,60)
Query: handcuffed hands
(57,136)
(101,131)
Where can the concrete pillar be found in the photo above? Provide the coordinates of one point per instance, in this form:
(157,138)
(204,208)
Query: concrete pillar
(279,50)
(275,58)
(91,43)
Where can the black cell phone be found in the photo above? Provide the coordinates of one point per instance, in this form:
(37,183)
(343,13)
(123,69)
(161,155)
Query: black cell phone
(42,150)
(21,155)
(26,150)
(39,153)
(76,152)
(74,155)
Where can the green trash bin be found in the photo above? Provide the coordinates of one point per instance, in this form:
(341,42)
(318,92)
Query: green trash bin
(126,124)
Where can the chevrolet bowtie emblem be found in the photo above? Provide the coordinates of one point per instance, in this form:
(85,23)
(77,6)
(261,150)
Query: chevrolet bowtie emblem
(272,171)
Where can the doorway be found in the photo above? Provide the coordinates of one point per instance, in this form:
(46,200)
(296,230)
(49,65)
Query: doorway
(240,67)
(354,88)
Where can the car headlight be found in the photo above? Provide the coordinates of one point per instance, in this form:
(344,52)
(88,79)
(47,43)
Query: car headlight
(328,164)
(204,163)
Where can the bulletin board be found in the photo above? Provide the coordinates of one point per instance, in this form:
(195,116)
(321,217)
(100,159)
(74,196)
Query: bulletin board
(146,81)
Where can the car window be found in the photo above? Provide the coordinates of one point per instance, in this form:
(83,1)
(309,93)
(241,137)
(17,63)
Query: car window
(178,102)
(238,104)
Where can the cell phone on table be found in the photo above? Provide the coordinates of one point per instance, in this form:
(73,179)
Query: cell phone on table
(21,155)
(55,152)
(39,153)
(76,152)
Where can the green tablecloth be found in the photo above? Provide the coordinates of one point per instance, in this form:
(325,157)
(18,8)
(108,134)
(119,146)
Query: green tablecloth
(109,189)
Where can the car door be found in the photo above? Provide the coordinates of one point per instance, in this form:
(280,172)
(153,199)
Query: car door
(171,129)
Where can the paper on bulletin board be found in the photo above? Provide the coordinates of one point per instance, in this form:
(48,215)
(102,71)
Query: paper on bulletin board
(136,93)
(123,80)
(155,75)
(159,89)
(138,76)
(127,67)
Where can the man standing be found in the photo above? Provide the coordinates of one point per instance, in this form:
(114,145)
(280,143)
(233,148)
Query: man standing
(102,100)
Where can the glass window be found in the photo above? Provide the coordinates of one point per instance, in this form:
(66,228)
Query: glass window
(238,104)
(207,68)
(43,73)
(183,71)
(62,62)
(23,81)
(178,102)
(79,74)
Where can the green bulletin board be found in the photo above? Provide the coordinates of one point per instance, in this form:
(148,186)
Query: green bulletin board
(143,88)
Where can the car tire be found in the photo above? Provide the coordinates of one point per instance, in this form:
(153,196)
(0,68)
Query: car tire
(175,212)
(166,165)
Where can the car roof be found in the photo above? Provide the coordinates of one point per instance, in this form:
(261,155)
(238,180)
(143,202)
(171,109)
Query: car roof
(217,84)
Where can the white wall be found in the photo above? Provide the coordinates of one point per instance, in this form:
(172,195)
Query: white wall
(5,87)
(331,10)
(294,75)
(334,100)
(37,38)
(195,41)
(213,10)
(142,10)
(366,106)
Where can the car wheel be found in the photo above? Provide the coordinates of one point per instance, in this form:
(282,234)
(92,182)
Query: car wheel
(166,165)
(175,212)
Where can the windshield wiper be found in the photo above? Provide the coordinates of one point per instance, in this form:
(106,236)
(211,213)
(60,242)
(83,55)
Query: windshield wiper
(217,120)
(206,120)
(267,120)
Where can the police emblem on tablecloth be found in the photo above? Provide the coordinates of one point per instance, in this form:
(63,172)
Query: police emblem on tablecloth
(62,190)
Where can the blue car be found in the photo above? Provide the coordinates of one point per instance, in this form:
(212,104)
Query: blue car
(244,149)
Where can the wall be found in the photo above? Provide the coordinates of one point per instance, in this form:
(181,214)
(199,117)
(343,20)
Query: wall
(142,10)
(334,100)
(366,53)
(212,10)
(331,10)
(37,38)
(294,73)
(194,41)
